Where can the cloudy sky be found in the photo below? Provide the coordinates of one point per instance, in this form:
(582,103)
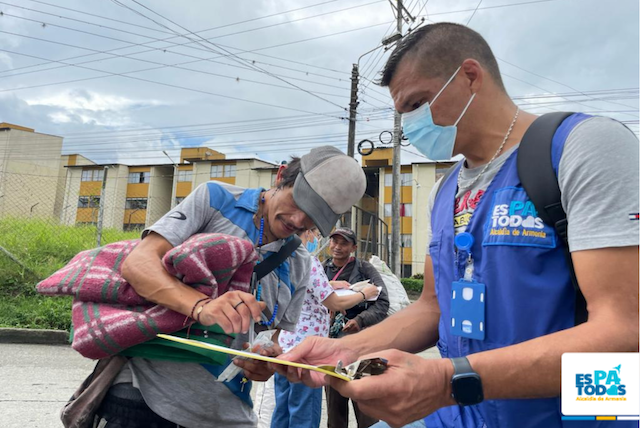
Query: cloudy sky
(123,80)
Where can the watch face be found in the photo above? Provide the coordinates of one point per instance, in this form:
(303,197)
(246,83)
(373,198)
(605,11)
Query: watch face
(467,389)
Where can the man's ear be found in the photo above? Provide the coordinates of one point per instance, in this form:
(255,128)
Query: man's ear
(474,73)
(281,169)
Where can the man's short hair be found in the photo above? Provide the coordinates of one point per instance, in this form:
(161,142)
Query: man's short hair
(289,174)
(441,48)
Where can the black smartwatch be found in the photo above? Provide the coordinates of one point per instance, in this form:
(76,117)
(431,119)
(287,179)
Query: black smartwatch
(466,385)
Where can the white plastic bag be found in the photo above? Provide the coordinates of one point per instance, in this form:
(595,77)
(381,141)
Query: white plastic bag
(398,298)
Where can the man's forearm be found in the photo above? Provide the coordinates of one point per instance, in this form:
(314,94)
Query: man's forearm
(413,329)
(148,277)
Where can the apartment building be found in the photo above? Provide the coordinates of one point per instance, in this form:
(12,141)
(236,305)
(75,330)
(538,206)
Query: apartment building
(417,181)
(138,196)
(31,173)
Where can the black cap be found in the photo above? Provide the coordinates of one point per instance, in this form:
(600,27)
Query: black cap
(346,233)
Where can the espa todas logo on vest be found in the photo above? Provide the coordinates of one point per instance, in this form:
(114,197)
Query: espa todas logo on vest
(513,220)
(516,214)
(604,384)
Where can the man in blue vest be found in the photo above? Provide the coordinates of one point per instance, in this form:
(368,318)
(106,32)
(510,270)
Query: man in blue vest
(498,300)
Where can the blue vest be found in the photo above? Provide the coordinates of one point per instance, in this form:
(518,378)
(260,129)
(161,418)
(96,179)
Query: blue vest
(528,287)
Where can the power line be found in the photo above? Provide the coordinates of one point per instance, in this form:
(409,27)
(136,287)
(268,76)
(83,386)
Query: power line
(247,51)
(235,57)
(166,39)
(160,66)
(551,80)
(164,65)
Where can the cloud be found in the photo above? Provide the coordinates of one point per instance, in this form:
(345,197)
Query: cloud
(204,96)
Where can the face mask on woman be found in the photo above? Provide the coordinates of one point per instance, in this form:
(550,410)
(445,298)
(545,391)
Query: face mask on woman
(312,245)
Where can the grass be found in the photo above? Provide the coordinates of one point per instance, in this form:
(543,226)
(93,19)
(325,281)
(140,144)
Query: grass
(42,248)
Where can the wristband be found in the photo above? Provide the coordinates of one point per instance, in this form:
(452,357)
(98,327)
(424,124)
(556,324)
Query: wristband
(364,296)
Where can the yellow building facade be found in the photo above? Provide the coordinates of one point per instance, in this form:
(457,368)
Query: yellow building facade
(417,180)
(138,196)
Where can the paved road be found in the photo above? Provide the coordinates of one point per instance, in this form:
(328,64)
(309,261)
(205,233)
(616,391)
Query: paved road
(36,380)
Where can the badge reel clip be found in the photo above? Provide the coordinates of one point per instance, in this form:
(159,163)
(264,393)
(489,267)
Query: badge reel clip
(467,295)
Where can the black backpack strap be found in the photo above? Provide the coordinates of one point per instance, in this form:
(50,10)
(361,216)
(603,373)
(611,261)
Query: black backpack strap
(539,180)
(274,260)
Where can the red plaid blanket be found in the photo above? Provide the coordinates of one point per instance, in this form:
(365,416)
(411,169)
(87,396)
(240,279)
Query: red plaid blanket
(109,316)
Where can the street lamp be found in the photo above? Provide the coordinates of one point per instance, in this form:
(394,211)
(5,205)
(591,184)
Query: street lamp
(355,76)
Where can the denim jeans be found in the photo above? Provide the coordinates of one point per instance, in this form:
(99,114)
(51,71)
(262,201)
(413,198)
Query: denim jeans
(297,405)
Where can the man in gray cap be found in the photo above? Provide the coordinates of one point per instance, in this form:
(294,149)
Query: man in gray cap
(170,393)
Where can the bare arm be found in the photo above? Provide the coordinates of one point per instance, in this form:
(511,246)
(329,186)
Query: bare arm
(143,269)
(342,303)
(413,329)
(608,279)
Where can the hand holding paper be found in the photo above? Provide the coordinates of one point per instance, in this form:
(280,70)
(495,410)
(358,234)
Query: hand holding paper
(371,291)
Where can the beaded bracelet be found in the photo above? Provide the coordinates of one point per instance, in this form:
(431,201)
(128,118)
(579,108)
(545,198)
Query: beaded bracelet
(364,296)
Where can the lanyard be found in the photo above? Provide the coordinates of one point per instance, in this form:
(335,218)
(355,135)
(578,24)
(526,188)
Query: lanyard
(345,265)
(463,243)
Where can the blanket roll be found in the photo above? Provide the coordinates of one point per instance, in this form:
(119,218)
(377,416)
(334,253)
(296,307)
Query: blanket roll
(109,316)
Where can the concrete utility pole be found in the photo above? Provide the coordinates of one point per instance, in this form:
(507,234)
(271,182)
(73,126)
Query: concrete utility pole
(353,105)
(395,183)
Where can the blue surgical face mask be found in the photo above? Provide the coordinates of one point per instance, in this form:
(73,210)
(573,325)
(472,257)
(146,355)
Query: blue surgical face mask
(312,245)
(434,141)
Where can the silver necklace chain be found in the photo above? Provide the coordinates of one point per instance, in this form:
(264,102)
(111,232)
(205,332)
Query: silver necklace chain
(506,137)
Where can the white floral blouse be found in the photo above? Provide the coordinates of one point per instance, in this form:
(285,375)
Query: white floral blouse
(314,317)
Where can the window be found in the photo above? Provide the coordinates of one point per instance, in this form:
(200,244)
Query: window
(136,204)
(405,210)
(406,271)
(406,178)
(229,170)
(405,240)
(139,177)
(179,200)
(216,171)
(88,201)
(92,175)
(387,210)
(184,175)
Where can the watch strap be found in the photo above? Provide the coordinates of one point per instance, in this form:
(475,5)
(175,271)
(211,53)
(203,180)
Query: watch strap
(461,365)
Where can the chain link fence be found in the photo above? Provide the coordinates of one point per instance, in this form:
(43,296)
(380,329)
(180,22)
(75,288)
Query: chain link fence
(46,218)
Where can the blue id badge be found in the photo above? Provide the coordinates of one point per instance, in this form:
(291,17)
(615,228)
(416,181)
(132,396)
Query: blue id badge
(467,309)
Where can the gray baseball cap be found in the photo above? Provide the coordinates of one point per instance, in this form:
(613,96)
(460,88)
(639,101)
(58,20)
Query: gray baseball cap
(329,184)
